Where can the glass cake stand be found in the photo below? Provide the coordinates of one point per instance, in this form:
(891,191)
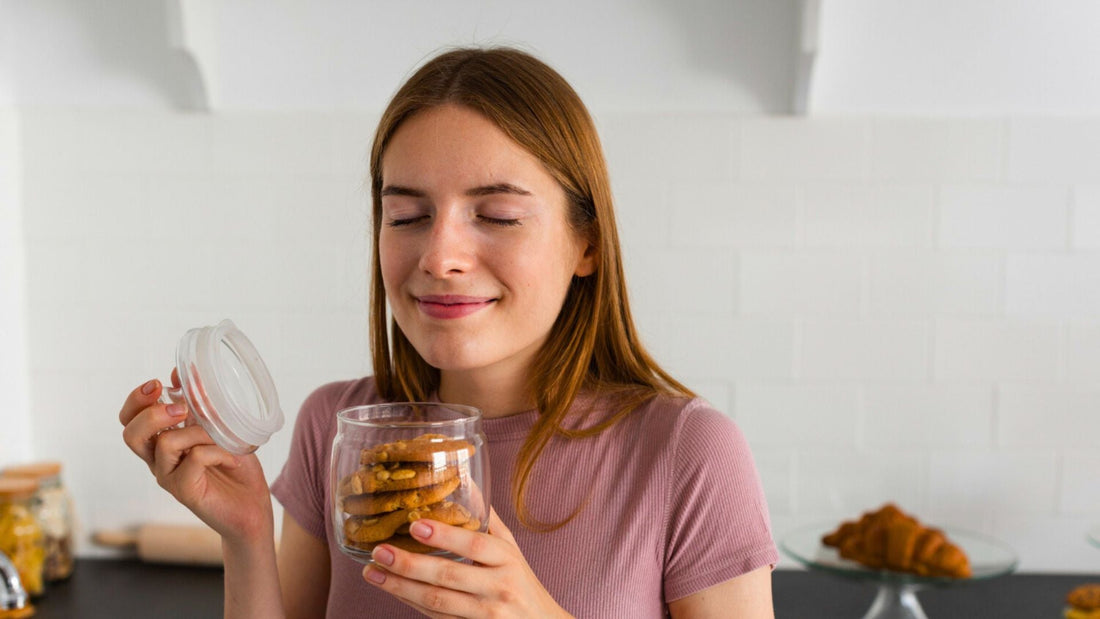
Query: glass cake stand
(897,591)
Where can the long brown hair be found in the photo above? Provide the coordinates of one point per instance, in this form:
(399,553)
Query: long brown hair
(593,344)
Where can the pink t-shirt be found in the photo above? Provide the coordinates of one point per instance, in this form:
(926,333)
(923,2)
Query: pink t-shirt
(675,505)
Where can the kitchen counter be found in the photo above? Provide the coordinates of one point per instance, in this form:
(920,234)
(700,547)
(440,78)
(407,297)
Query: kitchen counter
(128,588)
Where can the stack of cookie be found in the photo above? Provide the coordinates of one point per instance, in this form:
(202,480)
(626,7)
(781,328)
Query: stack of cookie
(400,482)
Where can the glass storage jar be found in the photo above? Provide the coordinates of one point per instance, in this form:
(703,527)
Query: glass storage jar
(52,505)
(395,463)
(21,537)
(227,387)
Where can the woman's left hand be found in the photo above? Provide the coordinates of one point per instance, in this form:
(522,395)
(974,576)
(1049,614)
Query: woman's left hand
(499,584)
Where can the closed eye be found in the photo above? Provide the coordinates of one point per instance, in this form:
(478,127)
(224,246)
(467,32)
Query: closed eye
(408,221)
(496,221)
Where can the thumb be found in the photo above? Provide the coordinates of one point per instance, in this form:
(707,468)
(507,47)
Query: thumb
(497,528)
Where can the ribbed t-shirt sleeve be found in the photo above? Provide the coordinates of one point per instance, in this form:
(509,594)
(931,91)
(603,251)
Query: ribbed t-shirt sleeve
(299,486)
(718,522)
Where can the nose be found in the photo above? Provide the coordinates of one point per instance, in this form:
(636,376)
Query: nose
(450,247)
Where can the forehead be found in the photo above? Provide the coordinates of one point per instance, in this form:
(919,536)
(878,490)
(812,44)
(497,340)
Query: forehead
(456,143)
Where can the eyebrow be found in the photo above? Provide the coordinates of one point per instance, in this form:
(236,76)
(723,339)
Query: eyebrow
(484,190)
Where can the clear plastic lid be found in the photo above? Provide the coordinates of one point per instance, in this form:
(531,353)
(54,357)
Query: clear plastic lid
(227,387)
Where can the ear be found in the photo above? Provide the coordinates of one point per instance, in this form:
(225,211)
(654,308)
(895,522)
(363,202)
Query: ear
(586,265)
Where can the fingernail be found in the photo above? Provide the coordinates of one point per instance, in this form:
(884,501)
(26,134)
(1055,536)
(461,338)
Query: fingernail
(177,410)
(375,576)
(382,555)
(148,387)
(420,529)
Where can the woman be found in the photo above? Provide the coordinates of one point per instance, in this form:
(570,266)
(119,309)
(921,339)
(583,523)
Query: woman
(617,494)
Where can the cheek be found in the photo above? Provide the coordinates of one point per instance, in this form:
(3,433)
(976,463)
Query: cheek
(547,277)
(391,262)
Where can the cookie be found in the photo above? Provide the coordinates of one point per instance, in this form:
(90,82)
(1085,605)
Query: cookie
(380,503)
(424,448)
(383,526)
(392,476)
(365,529)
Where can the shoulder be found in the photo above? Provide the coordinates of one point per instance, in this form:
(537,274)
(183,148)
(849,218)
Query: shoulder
(686,419)
(695,435)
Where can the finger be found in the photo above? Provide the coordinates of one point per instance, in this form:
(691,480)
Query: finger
(138,400)
(141,433)
(173,445)
(176,378)
(429,600)
(479,547)
(192,471)
(445,573)
(497,528)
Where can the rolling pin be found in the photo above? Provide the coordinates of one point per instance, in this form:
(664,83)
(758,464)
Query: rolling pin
(167,543)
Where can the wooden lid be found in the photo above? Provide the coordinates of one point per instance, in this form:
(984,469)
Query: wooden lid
(17,487)
(36,470)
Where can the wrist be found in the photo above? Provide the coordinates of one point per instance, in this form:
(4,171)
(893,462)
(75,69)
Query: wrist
(253,530)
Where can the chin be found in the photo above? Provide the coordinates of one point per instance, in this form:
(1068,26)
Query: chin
(447,359)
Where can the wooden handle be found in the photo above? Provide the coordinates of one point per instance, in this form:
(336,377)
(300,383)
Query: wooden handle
(115,538)
(167,543)
(190,545)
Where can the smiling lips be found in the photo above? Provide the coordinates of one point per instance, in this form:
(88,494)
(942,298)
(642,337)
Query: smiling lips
(451,306)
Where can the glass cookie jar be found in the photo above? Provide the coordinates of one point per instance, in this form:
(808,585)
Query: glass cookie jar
(227,387)
(52,506)
(393,464)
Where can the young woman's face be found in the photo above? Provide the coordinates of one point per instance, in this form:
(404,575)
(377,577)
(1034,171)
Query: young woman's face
(475,249)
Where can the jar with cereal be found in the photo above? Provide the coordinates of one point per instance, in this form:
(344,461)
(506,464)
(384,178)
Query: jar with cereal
(53,507)
(21,536)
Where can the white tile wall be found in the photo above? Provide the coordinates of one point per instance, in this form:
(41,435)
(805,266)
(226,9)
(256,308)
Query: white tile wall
(781,149)
(923,283)
(1080,470)
(273,144)
(1030,416)
(1013,482)
(828,414)
(15,440)
(1083,363)
(720,347)
(1058,285)
(730,214)
(891,309)
(850,215)
(1054,149)
(1085,230)
(927,417)
(673,147)
(938,150)
(1004,216)
(843,483)
(864,350)
(983,350)
(805,283)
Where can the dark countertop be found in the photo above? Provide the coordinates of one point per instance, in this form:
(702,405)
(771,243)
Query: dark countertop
(128,588)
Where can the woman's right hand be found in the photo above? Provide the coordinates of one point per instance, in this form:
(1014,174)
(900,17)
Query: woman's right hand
(227,492)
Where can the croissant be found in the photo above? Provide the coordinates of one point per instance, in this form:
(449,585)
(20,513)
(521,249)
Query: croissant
(891,539)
